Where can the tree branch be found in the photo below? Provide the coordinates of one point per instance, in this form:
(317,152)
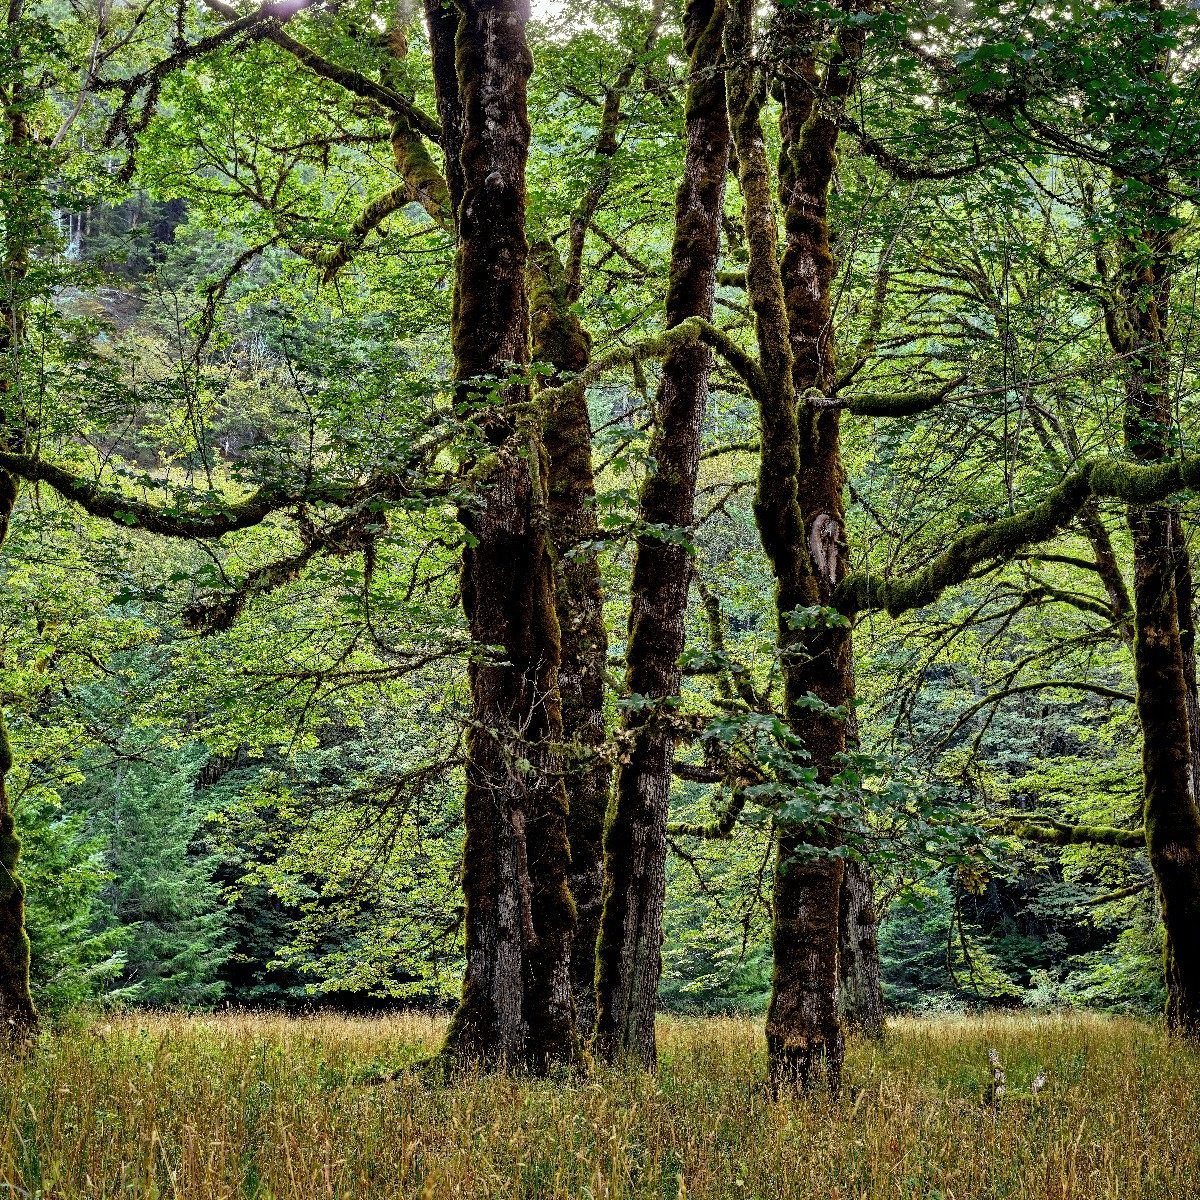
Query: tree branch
(1049,832)
(1001,540)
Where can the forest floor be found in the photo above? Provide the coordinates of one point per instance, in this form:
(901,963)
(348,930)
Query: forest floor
(266,1107)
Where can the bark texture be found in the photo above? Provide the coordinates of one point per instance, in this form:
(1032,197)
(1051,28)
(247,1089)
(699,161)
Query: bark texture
(441,23)
(1164,640)
(804,1034)
(560,340)
(516,1008)
(799,506)
(628,957)
(860,996)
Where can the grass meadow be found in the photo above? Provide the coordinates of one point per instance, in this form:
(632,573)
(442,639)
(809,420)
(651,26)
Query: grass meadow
(269,1107)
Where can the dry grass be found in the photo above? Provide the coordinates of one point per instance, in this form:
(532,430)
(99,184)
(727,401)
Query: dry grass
(267,1107)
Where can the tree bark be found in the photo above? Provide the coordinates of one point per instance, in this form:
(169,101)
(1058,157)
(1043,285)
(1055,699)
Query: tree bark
(17,1013)
(1166,707)
(628,957)
(441,23)
(804,1033)
(803,1025)
(1137,322)
(560,340)
(516,1008)
(860,996)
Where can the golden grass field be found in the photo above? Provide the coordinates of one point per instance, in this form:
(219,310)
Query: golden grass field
(271,1107)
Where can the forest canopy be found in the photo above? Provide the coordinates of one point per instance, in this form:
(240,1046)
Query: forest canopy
(551,516)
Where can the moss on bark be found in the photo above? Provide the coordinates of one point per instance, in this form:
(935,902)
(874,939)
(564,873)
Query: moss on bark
(628,956)
(516,1008)
(561,341)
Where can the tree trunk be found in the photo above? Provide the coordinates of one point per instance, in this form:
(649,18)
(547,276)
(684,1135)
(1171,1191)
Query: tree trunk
(516,1008)
(560,340)
(804,1033)
(26,211)
(804,1022)
(860,986)
(1166,709)
(17,1014)
(441,23)
(1136,320)
(628,958)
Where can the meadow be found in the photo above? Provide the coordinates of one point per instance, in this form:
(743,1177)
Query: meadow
(276,1108)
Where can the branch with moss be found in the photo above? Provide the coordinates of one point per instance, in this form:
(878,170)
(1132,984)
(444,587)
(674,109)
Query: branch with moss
(893,404)
(211,515)
(1050,832)
(718,829)
(733,678)
(746,447)
(902,168)
(216,612)
(1134,889)
(997,542)
(1023,689)
(149,82)
(352,81)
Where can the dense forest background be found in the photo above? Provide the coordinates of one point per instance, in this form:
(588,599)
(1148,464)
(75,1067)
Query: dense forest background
(270,814)
(239,755)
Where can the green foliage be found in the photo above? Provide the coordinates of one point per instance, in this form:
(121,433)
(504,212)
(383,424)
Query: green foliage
(183,343)
(162,888)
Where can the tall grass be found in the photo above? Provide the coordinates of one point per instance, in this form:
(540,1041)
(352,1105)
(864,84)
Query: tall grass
(275,1108)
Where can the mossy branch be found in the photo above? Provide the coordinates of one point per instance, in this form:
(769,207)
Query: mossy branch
(1021,689)
(1050,832)
(217,611)
(899,404)
(719,829)
(1001,541)
(353,81)
(209,515)
(747,447)
(372,216)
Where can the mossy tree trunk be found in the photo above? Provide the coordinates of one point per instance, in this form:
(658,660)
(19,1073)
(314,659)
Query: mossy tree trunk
(25,214)
(560,340)
(441,24)
(811,898)
(628,956)
(1164,640)
(799,508)
(804,1033)
(516,1008)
